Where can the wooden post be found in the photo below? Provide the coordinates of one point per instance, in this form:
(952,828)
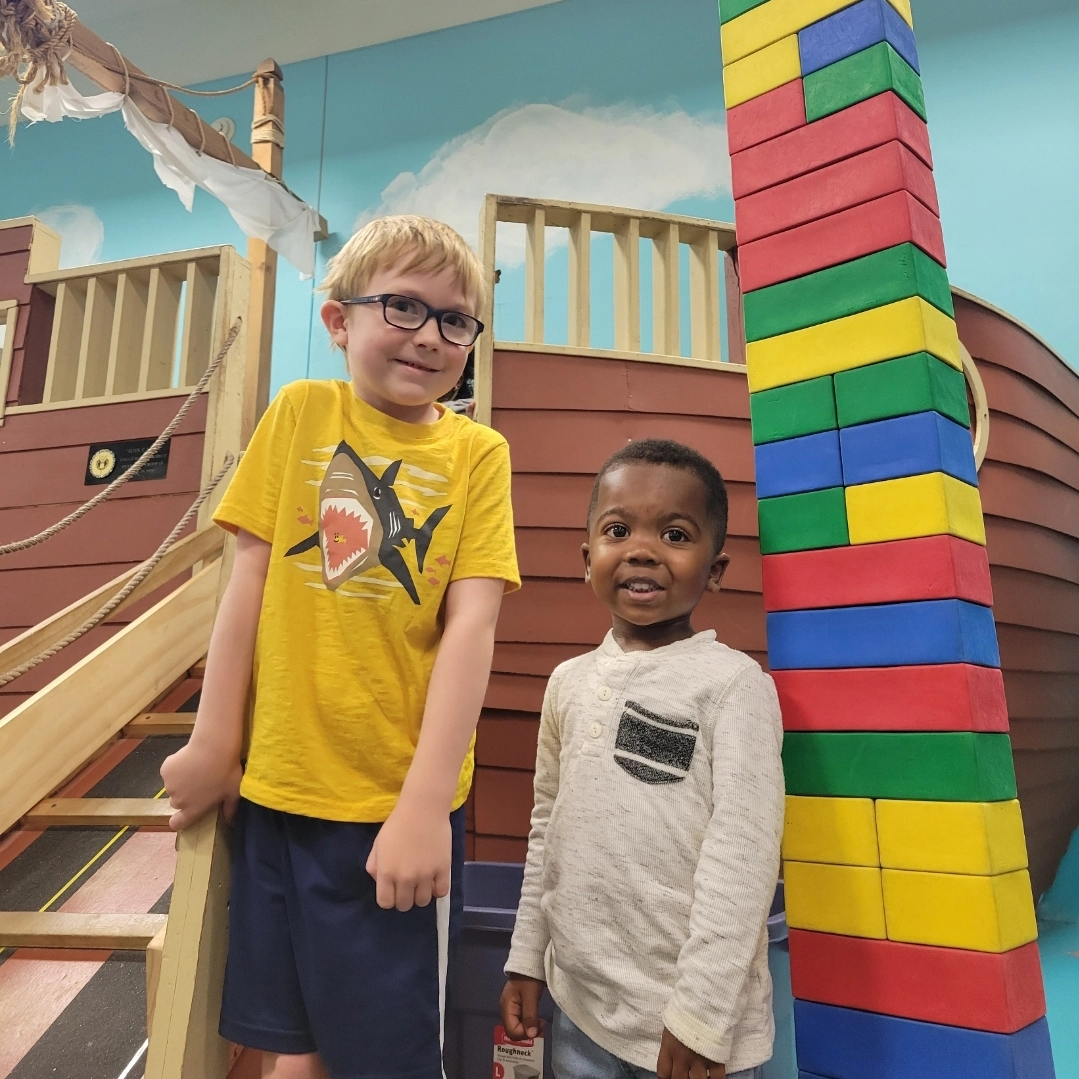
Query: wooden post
(485,346)
(267,148)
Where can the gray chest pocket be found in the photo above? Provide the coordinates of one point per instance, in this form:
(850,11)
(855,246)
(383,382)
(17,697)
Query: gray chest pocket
(654,749)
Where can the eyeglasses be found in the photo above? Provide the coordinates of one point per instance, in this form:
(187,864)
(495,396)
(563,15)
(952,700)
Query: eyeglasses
(408,313)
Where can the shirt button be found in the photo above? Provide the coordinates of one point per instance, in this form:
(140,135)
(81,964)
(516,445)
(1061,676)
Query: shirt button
(595,730)
(604,693)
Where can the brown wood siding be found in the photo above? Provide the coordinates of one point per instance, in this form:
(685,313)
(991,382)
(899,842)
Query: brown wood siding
(43,459)
(1030,494)
(34,323)
(563,415)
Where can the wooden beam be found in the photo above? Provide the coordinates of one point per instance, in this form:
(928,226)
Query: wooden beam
(183,555)
(184,1042)
(100,812)
(535,263)
(99,62)
(198,670)
(268,143)
(56,929)
(484,376)
(153,973)
(147,724)
(47,737)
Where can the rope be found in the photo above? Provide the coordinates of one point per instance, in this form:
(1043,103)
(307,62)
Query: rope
(144,571)
(275,132)
(36,37)
(137,467)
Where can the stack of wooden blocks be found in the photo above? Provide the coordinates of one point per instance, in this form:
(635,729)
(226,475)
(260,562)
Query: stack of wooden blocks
(913,950)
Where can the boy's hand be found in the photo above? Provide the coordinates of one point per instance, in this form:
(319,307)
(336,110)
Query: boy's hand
(678,1061)
(520,1007)
(410,858)
(196,781)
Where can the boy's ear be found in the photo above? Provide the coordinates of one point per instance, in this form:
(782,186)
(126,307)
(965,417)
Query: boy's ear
(335,319)
(719,567)
(587,563)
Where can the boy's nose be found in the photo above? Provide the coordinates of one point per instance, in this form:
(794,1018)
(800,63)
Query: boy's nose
(428,335)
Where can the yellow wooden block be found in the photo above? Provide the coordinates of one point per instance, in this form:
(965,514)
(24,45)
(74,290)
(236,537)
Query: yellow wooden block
(883,333)
(983,914)
(932,504)
(763,25)
(980,838)
(763,71)
(845,899)
(837,830)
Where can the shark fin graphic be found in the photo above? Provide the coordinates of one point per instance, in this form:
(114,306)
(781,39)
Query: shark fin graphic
(423,534)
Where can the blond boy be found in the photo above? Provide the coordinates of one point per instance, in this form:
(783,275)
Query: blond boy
(374,544)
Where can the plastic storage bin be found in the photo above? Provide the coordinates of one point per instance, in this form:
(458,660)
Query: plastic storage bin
(492,892)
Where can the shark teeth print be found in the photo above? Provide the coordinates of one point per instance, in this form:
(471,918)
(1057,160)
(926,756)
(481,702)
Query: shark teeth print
(346,534)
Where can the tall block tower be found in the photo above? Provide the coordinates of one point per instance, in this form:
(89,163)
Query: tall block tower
(913,951)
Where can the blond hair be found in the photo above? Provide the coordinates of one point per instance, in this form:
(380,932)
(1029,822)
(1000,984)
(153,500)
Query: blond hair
(407,242)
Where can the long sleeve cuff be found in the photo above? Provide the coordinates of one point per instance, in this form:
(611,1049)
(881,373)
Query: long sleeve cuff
(527,960)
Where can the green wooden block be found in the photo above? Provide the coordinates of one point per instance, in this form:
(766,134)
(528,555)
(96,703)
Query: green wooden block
(896,273)
(918,383)
(731,9)
(802,408)
(939,767)
(803,522)
(861,76)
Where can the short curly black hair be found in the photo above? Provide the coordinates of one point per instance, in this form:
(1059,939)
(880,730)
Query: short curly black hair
(665,451)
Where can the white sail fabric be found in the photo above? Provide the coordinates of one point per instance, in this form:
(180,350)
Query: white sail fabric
(261,207)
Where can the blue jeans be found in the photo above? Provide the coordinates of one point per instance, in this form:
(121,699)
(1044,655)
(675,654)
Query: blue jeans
(576,1056)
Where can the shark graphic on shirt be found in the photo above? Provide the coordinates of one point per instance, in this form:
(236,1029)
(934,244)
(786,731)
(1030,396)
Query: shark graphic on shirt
(362,524)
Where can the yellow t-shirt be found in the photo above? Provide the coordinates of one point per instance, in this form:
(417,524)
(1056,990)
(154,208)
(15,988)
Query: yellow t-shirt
(369,519)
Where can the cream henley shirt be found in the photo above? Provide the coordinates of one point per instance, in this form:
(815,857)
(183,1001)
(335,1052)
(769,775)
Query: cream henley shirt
(654,850)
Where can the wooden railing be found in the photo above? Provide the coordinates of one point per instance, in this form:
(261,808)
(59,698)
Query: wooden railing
(706,241)
(142,327)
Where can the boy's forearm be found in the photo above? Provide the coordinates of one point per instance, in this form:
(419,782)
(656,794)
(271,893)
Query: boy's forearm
(455,694)
(219,724)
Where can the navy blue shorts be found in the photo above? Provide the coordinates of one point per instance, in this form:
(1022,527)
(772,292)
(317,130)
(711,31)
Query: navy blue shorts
(316,965)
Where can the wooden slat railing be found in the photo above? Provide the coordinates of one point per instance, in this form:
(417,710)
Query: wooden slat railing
(706,240)
(137,328)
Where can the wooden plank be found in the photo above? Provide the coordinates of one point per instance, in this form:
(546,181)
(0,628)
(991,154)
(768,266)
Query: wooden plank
(54,929)
(732,295)
(1022,495)
(535,258)
(96,338)
(201,286)
(47,737)
(627,285)
(666,314)
(181,557)
(484,370)
(128,327)
(580,281)
(66,339)
(619,354)
(1015,395)
(159,334)
(184,1043)
(100,812)
(9,317)
(160,723)
(153,974)
(704,298)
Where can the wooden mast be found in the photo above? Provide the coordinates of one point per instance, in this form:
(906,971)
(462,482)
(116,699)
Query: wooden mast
(267,148)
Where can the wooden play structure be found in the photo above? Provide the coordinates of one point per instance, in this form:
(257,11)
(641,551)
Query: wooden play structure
(105,354)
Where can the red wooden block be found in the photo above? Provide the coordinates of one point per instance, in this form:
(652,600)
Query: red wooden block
(941,697)
(851,182)
(931,567)
(995,991)
(881,119)
(895,219)
(774,113)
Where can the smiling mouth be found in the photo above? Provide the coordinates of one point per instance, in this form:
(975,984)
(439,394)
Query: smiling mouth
(641,587)
(415,366)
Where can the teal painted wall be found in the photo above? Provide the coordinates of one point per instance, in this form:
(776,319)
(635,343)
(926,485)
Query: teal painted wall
(553,102)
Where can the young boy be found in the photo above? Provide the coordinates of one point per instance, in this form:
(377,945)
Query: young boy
(374,544)
(654,847)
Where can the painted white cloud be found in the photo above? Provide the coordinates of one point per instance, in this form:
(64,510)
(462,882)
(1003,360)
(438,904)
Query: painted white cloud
(82,233)
(621,156)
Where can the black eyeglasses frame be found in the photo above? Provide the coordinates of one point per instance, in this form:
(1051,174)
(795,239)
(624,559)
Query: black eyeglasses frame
(432,313)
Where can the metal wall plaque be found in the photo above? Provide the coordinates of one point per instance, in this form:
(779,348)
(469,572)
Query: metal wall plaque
(108,460)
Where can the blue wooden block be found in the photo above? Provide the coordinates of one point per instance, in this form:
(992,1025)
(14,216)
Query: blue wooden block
(842,1043)
(883,635)
(794,465)
(853,29)
(907,446)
